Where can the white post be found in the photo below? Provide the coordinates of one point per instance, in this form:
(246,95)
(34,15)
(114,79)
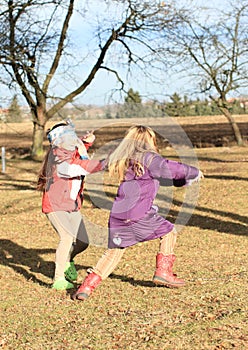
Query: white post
(3,160)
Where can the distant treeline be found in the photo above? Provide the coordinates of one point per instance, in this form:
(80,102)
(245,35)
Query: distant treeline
(133,107)
(176,107)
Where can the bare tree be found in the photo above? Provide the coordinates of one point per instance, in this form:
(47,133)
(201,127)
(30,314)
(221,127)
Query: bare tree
(36,51)
(213,51)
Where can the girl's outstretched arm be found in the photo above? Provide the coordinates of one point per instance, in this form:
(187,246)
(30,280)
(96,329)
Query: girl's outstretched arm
(79,167)
(170,172)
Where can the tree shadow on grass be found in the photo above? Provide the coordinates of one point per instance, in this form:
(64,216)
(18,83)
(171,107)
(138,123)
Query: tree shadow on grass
(204,221)
(217,160)
(123,278)
(134,282)
(11,183)
(26,262)
(226,177)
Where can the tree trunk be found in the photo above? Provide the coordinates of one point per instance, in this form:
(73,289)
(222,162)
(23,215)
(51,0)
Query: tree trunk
(234,126)
(37,146)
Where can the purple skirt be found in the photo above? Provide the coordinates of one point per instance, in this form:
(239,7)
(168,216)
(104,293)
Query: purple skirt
(125,233)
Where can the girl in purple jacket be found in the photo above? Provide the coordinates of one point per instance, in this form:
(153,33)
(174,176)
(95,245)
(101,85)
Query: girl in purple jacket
(133,217)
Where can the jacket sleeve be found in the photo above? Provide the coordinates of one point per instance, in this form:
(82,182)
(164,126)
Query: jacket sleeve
(87,144)
(170,172)
(79,167)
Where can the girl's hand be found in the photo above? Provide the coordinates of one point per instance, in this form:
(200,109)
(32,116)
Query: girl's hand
(196,179)
(201,176)
(89,137)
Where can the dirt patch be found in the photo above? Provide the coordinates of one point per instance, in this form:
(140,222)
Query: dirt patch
(199,132)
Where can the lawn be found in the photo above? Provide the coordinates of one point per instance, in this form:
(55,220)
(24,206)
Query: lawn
(127,311)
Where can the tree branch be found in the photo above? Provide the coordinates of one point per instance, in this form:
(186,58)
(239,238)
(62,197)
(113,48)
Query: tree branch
(59,48)
(94,70)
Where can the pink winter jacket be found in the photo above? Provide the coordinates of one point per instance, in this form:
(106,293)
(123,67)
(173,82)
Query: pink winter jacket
(64,189)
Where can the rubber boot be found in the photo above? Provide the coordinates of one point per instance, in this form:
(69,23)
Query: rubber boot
(164,274)
(89,284)
(70,272)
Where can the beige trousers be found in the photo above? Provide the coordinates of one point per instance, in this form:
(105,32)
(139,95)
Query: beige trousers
(73,238)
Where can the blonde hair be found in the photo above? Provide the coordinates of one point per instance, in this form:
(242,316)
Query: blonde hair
(138,140)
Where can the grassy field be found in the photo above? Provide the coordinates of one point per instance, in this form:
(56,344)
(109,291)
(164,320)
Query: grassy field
(127,311)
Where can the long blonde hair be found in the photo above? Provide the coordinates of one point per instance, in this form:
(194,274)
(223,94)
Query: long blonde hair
(138,140)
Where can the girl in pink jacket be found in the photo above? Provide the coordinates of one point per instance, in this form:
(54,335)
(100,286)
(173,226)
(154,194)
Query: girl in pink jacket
(61,180)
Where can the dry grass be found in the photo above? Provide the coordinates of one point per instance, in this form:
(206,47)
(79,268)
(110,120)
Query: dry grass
(127,311)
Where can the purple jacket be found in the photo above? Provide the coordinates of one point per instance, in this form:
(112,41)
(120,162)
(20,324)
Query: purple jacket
(135,195)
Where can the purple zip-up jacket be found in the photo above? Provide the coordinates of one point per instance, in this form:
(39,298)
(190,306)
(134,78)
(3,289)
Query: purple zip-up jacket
(135,196)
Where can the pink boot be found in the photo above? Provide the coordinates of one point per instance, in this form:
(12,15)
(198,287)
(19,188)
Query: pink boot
(89,284)
(163,274)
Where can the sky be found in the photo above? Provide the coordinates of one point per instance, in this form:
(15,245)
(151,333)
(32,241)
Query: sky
(99,91)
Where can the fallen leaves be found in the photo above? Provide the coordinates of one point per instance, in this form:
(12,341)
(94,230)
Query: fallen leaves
(127,311)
